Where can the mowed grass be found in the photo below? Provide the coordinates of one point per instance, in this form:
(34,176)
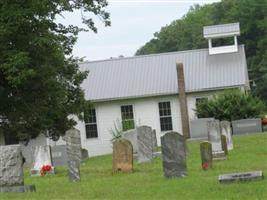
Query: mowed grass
(147,181)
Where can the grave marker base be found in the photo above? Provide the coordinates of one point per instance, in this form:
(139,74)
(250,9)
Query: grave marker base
(18,189)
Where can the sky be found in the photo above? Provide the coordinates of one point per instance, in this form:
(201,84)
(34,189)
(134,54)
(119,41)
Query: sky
(133,23)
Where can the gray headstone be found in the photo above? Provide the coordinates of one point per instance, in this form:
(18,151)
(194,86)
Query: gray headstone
(244,126)
(227,131)
(224,144)
(73,141)
(59,155)
(214,136)
(239,177)
(41,157)
(11,171)
(85,154)
(154,140)
(131,135)
(173,155)
(199,129)
(144,144)
(206,155)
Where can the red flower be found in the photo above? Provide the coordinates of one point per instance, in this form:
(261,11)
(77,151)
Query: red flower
(205,166)
(45,169)
(264,121)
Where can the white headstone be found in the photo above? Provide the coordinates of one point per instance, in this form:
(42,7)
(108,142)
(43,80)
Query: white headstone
(214,134)
(226,130)
(41,157)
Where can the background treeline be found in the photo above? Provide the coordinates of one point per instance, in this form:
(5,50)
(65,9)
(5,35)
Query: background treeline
(186,34)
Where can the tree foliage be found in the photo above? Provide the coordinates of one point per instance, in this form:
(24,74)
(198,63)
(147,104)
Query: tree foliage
(230,105)
(39,78)
(186,34)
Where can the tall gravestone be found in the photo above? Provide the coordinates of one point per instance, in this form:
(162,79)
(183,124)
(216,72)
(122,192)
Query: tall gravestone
(227,131)
(122,156)
(214,135)
(206,155)
(41,157)
(173,155)
(73,141)
(11,170)
(144,144)
(154,140)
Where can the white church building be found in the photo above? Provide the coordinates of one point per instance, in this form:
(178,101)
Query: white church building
(143,90)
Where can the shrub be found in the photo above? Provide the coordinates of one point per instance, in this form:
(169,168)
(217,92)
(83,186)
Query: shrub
(230,105)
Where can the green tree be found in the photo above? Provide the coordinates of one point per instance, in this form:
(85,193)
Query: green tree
(39,78)
(186,34)
(231,105)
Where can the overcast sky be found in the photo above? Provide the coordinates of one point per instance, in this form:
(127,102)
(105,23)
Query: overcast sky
(133,23)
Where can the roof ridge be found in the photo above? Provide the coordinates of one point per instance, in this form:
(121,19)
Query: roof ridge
(147,55)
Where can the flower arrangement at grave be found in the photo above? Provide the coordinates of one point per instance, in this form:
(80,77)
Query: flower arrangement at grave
(45,169)
(205,166)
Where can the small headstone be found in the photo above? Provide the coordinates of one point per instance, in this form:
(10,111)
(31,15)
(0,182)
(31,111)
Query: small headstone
(59,155)
(224,144)
(227,131)
(173,155)
(131,135)
(73,141)
(206,155)
(11,170)
(215,139)
(85,154)
(240,177)
(122,156)
(144,144)
(41,157)
(154,140)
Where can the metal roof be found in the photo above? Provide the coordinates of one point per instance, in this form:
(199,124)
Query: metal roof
(153,75)
(221,30)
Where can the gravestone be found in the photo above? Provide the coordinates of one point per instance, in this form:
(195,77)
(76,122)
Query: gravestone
(144,144)
(206,155)
(59,155)
(41,157)
(85,154)
(154,140)
(214,136)
(131,135)
(240,177)
(244,126)
(11,170)
(73,141)
(224,144)
(122,156)
(198,128)
(227,131)
(173,155)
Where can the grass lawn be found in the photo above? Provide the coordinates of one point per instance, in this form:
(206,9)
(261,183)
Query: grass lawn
(147,181)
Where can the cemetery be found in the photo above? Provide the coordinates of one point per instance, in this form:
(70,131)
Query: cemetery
(185,169)
(191,120)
